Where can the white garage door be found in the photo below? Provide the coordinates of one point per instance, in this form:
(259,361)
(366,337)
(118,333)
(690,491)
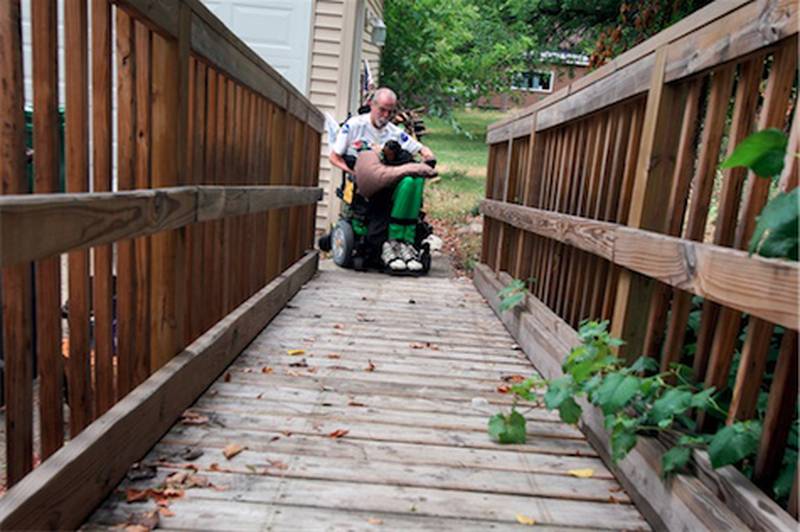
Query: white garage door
(278,30)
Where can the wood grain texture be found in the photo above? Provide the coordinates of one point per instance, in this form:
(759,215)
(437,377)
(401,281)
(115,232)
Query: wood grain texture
(49,359)
(44,499)
(767,288)
(77,221)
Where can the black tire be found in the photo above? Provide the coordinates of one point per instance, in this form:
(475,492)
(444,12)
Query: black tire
(342,243)
(324,242)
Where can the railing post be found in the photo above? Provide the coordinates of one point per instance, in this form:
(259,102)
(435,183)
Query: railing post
(169,91)
(652,183)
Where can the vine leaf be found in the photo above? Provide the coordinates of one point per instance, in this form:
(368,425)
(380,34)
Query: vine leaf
(762,152)
(734,443)
(776,233)
(615,392)
(507,428)
(675,459)
(570,411)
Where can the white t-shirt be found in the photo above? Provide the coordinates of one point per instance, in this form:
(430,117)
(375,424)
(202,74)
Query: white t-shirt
(358,134)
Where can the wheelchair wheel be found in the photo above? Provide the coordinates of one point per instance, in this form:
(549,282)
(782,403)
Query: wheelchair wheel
(342,243)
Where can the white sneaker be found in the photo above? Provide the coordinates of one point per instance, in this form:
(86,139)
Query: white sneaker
(390,256)
(411,257)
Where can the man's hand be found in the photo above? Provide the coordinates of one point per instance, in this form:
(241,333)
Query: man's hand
(426,153)
(338,161)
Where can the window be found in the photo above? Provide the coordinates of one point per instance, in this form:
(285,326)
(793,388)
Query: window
(533,81)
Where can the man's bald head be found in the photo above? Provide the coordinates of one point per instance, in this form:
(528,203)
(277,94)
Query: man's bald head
(382,107)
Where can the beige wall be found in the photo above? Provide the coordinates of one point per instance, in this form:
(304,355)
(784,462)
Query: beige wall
(341,36)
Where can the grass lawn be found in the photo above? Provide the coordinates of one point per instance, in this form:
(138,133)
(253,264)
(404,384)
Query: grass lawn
(451,202)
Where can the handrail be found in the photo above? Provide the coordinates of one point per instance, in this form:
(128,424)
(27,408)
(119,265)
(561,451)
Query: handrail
(36,226)
(767,288)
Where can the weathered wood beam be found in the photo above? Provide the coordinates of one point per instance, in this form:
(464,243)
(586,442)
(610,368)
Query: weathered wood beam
(40,225)
(766,288)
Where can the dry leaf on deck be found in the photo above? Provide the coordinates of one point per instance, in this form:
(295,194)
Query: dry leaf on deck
(301,364)
(227,377)
(334,355)
(277,464)
(176,479)
(266,369)
(166,512)
(143,522)
(581,473)
(338,433)
(514,379)
(375,521)
(134,495)
(193,418)
(525,520)
(338,326)
(355,403)
(370,367)
(503,388)
(232,449)
(295,352)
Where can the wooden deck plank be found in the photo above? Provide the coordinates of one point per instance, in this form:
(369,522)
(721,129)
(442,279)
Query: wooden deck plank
(416,455)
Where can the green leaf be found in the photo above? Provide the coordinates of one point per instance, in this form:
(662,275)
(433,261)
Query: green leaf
(762,152)
(623,436)
(507,428)
(675,459)
(702,400)
(615,392)
(511,301)
(783,484)
(560,390)
(674,401)
(570,411)
(733,443)
(644,364)
(776,231)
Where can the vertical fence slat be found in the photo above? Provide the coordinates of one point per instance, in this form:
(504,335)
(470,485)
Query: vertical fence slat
(50,362)
(127,340)
(77,159)
(101,168)
(16,288)
(141,246)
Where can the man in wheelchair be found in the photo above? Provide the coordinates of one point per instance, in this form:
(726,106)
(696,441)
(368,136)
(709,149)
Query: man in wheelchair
(382,188)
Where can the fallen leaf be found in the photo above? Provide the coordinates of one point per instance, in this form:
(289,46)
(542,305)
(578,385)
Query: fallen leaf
(166,512)
(277,464)
(618,489)
(172,493)
(412,302)
(503,388)
(295,352)
(227,377)
(338,326)
(292,373)
(232,449)
(137,528)
(139,471)
(190,454)
(266,370)
(193,418)
(142,521)
(248,370)
(613,500)
(197,481)
(338,433)
(581,473)
(176,479)
(525,520)
(375,521)
(355,403)
(259,396)
(275,438)
(370,367)
(514,379)
(301,364)
(334,356)
(134,495)
(219,469)
(286,433)
(417,345)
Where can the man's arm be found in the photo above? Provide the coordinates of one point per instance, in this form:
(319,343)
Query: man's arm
(338,161)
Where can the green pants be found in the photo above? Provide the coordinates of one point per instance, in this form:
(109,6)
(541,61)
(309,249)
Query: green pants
(406,203)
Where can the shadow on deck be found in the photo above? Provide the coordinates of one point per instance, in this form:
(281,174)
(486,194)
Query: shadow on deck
(405,372)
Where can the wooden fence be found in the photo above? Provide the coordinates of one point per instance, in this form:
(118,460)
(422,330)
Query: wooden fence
(608,200)
(175,233)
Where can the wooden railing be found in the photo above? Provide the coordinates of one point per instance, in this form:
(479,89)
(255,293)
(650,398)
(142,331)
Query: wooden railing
(606,197)
(207,139)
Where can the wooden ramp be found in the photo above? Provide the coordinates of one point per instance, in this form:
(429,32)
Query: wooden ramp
(381,422)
